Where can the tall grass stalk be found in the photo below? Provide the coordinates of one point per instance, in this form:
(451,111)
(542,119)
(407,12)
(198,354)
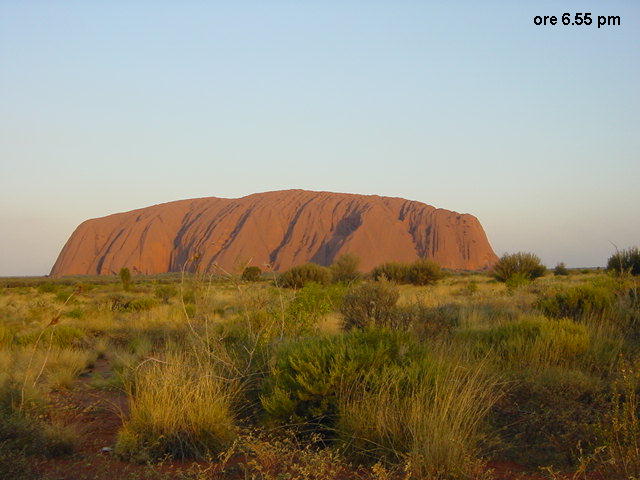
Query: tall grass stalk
(51,324)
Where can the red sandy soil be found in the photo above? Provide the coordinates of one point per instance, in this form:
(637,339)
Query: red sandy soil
(96,415)
(279,229)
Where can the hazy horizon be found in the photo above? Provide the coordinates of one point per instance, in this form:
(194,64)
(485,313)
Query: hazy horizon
(113,107)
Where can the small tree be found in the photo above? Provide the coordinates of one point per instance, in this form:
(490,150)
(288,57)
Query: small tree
(125,278)
(625,261)
(525,264)
(424,272)
(298,277)
(560,270)
(392,271)
(345,268)
(251,274)
(369,303)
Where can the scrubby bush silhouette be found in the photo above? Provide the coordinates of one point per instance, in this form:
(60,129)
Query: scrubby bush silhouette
(625,261)
(561,270)
(251,274)
(578,301)
(345,268)
(298,277)
(420,272)
(392,271)
(424,272)
(369,304)
(528,265)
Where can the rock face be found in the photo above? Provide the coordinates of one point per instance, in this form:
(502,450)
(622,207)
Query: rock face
(279,229)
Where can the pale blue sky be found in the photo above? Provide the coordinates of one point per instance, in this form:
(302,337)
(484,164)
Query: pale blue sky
(111,106)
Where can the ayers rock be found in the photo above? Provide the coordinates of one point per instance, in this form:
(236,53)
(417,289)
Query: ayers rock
(281,229)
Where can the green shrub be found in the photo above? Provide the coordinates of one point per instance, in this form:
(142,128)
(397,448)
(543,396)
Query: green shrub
(25,434)
(426,321)
(59,335)
(165,292)
(625,261)
(76,313)
(391,271)
(420,272)
(64,295)
(312,302)
(298,277)
(47,287)
(469,290)
(28,432)
(516,281)
(251,274)
(369,304)
(577,302)
(307,374)
(129,303)
(526,264)
(530,341)
(139,304)
(125,278)
(561,270)
(188,295)
(424,272)
(345,268)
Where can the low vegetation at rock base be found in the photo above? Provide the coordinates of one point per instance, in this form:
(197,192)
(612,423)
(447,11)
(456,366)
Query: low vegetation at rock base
(251,274)
(345,268)
(420,272)
(519,267)
(298,277)
(324,373)
(625,261)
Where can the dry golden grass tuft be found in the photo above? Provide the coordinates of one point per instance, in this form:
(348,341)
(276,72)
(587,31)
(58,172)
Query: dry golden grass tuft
(180,406)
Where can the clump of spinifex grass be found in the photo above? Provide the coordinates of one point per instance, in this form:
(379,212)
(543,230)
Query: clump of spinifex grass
(530,340)
(429,420)
(25,424)
(179,406)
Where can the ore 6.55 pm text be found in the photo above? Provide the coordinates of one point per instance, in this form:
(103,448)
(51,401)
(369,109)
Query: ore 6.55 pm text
(578,19)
